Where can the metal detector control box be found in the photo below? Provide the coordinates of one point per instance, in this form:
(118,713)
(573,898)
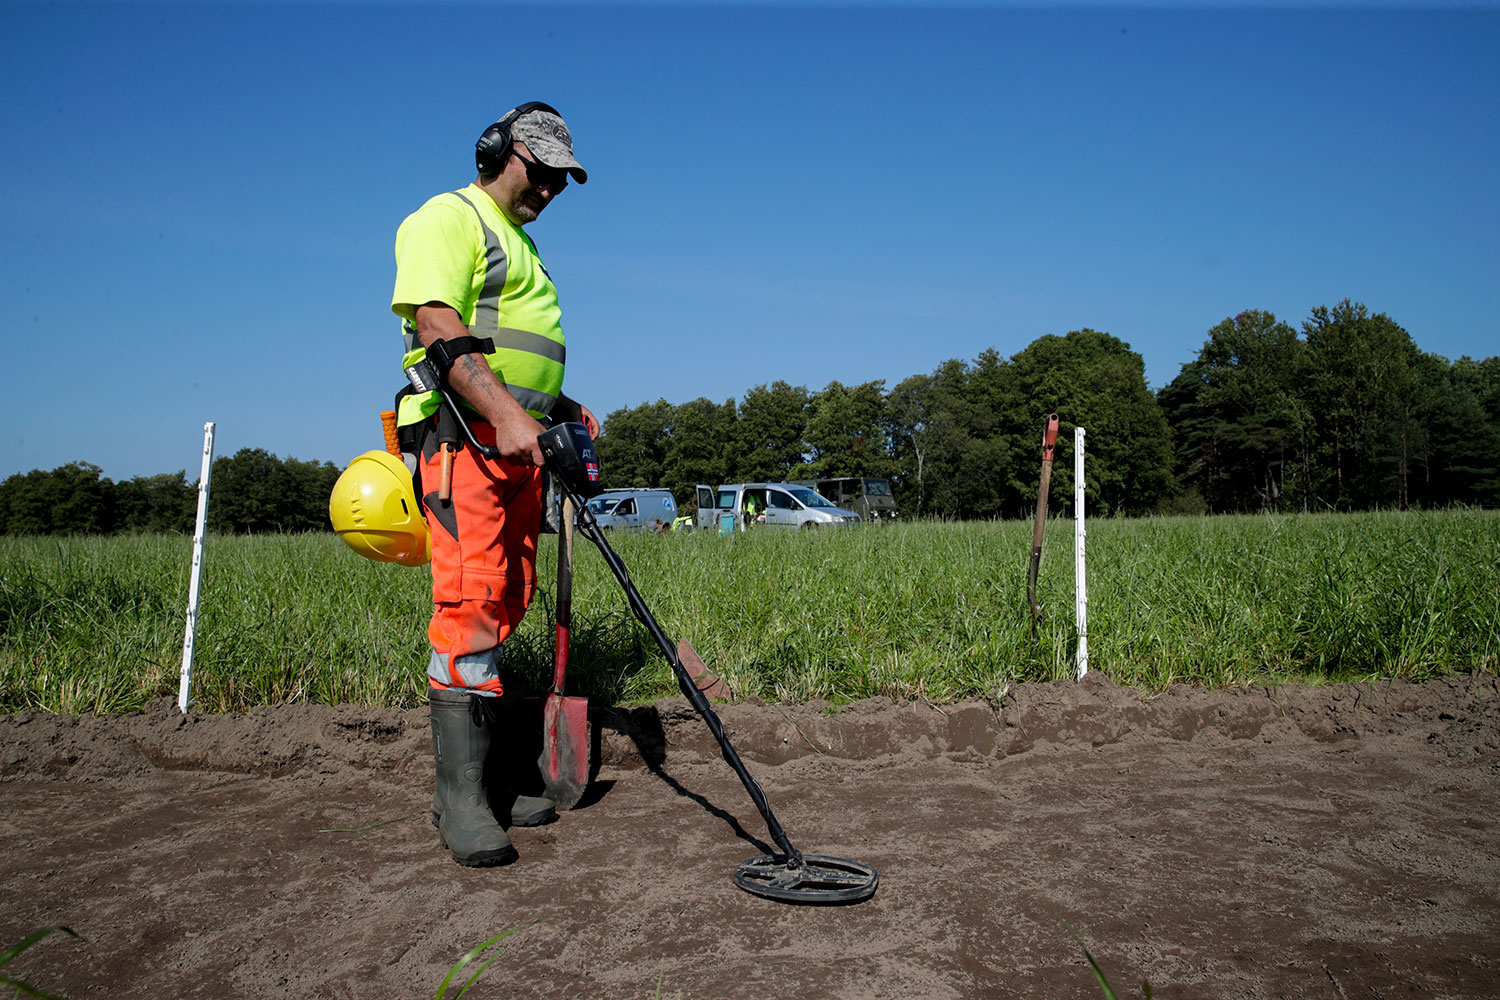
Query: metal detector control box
(569,453)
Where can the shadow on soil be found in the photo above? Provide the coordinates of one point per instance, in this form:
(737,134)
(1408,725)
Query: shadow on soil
(518,752)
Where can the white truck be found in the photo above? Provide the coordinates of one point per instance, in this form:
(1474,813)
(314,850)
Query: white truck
(634,509)
(740,506)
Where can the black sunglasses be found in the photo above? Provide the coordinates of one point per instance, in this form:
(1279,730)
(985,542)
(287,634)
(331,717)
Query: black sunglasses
(553,179)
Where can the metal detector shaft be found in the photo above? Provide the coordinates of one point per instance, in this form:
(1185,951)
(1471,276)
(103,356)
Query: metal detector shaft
(590,529)
(489,451)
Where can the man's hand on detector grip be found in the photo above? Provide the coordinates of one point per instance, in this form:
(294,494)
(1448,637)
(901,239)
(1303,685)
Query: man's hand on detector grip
(516,439)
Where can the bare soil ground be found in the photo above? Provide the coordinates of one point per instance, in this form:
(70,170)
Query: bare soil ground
(1332,842)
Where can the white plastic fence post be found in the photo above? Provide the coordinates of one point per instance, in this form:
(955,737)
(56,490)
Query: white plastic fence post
(1080,575)
(191,631)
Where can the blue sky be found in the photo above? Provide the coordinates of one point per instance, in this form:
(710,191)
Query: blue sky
(199,200)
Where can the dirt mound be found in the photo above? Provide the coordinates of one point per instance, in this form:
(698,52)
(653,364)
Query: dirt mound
(1251,842)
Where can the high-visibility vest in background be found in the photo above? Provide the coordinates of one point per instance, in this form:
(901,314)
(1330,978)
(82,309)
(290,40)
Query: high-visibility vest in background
(460,249)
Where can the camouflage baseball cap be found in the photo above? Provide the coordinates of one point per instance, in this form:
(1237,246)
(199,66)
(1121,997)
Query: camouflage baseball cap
(549,140)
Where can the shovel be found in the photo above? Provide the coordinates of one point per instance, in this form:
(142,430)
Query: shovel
(1049,441)
(565,728)
(703,679)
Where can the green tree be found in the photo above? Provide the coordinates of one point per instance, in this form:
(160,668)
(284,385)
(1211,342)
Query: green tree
(1008,425)
(165,502)
(254,491)
(310,485)
(1459,461)
(1477,469)
(943,432)
(1195,437)
(908,427)
(1242,428)
(632,445)
(71,499)
(1482,379)
(847,431)
(700,447)
(1094,380)
(1364,393)
(27,511)
(84,500)
(772,423)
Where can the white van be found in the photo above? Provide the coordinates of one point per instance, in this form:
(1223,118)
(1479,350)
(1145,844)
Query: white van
(772,505)
(634,509)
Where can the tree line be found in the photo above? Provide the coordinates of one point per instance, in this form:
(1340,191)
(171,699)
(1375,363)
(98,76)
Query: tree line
(251,491)
(1348,414)
(1345,414)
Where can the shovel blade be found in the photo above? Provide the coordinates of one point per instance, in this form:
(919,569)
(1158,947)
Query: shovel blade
(565,749)
(703,679)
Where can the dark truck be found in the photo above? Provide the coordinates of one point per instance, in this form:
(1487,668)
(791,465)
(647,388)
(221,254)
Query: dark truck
(869,498)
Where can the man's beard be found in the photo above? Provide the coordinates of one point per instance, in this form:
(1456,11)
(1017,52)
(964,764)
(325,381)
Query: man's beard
(524,209)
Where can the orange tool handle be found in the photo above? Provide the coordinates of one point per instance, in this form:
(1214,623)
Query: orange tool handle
(388,422)
(445,484)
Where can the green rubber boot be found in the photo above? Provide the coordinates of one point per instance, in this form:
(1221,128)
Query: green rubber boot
(460,741)
(531,810)
(524,810)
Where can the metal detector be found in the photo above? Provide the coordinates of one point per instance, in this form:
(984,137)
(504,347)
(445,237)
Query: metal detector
(788,877)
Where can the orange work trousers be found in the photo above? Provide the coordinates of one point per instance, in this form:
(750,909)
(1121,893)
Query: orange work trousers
(484,542)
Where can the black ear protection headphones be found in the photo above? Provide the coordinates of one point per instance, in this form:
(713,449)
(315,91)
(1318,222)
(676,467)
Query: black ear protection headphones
(494,146)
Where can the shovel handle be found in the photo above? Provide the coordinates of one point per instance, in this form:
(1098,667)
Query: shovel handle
(1049,442)
(1049,437)
(564,594)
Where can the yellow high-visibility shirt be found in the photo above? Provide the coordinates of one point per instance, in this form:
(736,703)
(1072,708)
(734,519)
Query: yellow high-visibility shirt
(461,250)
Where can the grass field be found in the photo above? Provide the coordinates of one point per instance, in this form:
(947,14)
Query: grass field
(938,611)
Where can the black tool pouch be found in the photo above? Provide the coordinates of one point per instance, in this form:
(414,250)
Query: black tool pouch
(409,437)
(447,428)
(409,440)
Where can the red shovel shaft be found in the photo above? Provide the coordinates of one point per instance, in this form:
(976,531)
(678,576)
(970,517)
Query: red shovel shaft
(565,723)
(564,597)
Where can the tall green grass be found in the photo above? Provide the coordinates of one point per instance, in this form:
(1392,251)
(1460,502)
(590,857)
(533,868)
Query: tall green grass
(917,610)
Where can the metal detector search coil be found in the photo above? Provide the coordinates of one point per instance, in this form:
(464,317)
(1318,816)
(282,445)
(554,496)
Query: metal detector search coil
(817,879)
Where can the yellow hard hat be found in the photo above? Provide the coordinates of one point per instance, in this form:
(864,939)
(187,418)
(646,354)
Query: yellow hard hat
(374,510)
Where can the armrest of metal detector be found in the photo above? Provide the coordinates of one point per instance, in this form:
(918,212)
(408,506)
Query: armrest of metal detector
(425,377)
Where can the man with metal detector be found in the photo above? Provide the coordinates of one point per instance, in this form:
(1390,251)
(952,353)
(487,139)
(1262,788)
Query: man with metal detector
(481,322)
